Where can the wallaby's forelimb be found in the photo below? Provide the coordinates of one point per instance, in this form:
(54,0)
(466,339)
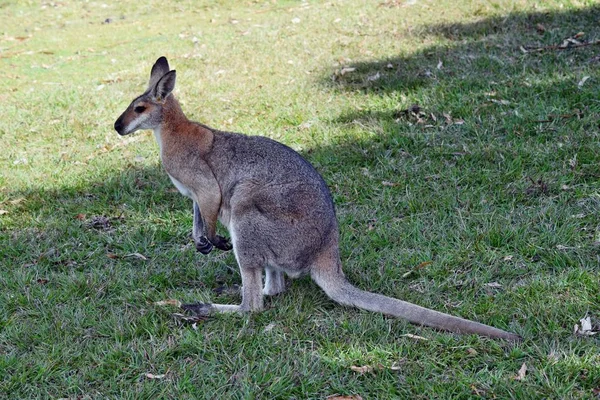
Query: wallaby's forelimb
(203,245)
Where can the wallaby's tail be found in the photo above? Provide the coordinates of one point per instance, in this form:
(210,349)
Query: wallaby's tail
(339,289)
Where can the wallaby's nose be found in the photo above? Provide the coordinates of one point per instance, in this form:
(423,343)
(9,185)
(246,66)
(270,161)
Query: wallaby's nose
(119,126)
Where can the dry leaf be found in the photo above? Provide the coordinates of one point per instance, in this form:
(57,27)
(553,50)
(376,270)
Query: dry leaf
(170,302)
(540,28)
(80,217)
(392,184)
(440,64)
(411,336)
(346,70)
(362,370)
(586,327)
(2,212)
(374,77)
(152,376)
(270,327)
(112,255)
(17,201)
(421,265)
(582,81)
(137,255)
(521,374)
(494,285)
(339,397)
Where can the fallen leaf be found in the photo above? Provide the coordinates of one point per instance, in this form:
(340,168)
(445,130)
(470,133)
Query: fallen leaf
(80,217)
(494,285)
(339,397)
(540,28)
(2,212)
(170,302)
(152,376)
(397,365)
(586,327)
(521,374)
(392,184)
(17,201)
(112,255)
(137,255)
(440,64)
(346,70)
(42,281)
(421,265)
(270,327)
(374,77)
(99,222)
(362,370)
(582,81)
(508,258)
(416,337)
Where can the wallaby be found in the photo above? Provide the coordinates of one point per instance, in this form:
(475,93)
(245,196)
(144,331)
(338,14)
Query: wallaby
(275,205)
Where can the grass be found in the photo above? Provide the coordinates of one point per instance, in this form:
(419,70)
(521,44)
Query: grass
(483,202)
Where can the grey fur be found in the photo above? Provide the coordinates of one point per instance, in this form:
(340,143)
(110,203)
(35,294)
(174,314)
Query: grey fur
(276,206)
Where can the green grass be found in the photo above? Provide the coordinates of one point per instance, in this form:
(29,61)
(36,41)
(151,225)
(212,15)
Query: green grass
(475,184)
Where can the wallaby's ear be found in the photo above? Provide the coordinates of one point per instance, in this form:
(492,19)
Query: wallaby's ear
(159,69)
(164,86)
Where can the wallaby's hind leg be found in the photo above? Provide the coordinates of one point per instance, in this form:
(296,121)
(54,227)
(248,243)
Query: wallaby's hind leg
(252,297)
(274,282)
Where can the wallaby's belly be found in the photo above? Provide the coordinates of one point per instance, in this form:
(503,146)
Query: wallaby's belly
(181,187)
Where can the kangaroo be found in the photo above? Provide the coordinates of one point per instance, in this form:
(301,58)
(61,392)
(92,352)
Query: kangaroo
(275,205)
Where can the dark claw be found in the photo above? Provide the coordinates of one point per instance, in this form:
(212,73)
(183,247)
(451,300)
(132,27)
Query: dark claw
(203,245)
(198,309)
(222,243)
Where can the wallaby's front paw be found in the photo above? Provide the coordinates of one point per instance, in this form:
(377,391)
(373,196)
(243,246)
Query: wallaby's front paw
(198,309)
(203,245)
(222,243)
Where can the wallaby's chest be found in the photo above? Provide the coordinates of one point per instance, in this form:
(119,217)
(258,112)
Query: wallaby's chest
(183,189)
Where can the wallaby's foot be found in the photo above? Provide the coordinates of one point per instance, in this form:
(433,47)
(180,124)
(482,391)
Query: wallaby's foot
(222,243)
(205,309)
(203,245)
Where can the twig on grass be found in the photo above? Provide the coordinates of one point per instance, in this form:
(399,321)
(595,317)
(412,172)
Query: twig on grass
(568,43)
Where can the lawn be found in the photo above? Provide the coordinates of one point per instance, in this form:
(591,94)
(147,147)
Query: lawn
(461,144)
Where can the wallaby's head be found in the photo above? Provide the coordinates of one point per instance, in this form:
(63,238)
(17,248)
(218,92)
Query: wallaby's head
(146,111)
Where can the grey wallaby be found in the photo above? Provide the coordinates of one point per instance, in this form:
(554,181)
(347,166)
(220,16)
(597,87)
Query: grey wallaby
(275,205)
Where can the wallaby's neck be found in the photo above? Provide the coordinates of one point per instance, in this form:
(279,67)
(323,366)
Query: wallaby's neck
(172,113)
(176,125)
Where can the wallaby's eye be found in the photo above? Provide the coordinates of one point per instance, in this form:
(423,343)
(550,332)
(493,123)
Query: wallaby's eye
(139,109)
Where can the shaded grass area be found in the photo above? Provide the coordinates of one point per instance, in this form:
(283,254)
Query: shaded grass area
(482,202)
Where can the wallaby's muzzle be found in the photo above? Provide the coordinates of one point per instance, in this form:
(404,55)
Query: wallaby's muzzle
(119,126)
